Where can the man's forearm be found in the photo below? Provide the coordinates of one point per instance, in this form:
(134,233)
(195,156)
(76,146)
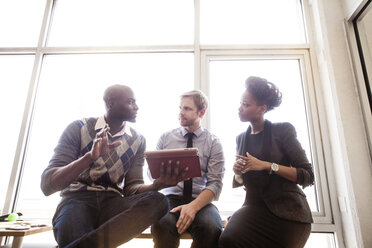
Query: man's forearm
(148,187)
(156,185)
(205,197)
(64,176)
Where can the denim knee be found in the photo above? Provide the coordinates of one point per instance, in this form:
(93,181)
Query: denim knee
(158,203)
(165,232)
(206,234)
(69,224)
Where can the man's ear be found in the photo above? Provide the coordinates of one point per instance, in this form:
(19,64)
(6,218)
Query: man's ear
(109,104)
(202,113)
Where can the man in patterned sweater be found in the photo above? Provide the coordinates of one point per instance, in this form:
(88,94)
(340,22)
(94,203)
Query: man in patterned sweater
(97,166)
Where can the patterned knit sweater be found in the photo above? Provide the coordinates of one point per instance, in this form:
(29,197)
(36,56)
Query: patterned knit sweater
(119,171)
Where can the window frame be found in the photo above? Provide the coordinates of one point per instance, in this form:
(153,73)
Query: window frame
(360,61)
(323,220)
(324,215)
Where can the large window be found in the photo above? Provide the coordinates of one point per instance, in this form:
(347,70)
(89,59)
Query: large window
(67,52)
(231,74)
(15,72)
(119,23)
(251,22)
(20,22)
(76,91)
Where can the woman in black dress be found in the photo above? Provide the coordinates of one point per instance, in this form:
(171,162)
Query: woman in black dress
(270,164)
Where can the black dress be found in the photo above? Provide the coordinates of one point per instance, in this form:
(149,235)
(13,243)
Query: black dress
(254,225)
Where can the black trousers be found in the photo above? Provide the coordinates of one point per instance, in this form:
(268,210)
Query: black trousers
(253,225)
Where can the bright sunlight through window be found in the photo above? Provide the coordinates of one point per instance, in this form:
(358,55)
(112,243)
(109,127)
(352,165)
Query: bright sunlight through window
(157,48)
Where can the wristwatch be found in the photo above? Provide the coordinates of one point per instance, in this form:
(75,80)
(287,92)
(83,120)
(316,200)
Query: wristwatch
(274,168)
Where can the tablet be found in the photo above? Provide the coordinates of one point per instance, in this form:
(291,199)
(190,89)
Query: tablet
(188,157)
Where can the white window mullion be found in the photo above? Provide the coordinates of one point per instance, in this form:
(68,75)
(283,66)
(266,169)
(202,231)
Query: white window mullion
(197,69)
(19,157)
(313,107)
(323,218)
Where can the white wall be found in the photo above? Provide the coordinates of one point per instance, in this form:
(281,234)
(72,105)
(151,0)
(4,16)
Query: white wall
(349,6)
(348,158)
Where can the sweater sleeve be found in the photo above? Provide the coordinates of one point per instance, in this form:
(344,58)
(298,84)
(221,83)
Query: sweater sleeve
(297,156)
(66,151)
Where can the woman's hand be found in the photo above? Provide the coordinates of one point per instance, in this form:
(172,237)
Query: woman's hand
(248,163)
(239,166)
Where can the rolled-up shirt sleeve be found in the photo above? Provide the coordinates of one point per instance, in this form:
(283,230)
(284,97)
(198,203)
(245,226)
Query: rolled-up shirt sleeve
(297,156)
(216,169)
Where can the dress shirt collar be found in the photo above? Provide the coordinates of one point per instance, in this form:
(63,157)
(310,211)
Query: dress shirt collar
(101,122)
(197,132)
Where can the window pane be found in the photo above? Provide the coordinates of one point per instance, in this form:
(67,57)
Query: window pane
(251,22)
(15,74)
(71,87)
(232,74)
(20,22)
(324,240)
(122,22)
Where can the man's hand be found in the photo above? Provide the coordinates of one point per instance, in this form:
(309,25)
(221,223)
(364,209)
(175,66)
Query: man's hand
(187,216)
(101,146)
(168,176)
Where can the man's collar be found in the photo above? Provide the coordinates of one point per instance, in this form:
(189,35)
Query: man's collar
(101,122)
(197,132)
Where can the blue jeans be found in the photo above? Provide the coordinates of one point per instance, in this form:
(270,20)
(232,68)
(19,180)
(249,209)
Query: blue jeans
(105,219)
(205,229)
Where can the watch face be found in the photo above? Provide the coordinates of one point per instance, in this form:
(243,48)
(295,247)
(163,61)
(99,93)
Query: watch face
(274,167)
